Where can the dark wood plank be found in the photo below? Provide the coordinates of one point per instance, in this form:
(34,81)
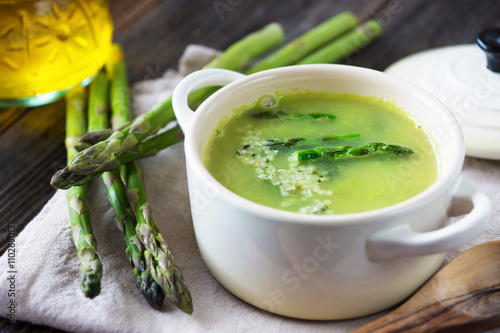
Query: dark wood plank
(421,25)
(127,12)
(9,116)
(31,150)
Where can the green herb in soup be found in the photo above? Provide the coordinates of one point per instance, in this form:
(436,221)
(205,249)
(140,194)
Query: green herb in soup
(322,153)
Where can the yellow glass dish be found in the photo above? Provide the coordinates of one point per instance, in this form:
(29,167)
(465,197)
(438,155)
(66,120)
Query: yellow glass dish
(49,46)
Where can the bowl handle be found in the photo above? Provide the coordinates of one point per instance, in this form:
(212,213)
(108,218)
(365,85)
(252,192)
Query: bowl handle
(196,80)
(402,241)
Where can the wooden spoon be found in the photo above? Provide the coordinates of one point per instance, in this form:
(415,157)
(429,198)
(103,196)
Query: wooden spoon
(464,296)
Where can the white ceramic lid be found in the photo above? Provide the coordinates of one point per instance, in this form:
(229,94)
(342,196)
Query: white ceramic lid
(459,77)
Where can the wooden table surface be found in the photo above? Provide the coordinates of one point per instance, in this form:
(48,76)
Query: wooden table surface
(154,34)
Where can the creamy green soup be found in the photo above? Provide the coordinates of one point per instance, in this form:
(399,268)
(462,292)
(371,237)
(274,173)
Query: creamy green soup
(321,153)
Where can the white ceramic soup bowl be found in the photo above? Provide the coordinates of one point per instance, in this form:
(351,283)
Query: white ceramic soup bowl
(335,266)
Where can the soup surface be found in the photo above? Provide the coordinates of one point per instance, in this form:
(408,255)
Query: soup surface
(322,153)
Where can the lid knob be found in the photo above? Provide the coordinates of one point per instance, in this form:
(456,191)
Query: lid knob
(489,41)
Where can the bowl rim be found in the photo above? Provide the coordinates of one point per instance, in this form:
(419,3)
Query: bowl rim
(448,177)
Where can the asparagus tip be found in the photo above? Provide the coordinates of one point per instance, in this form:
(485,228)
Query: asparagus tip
(92,138)
(90,282)
(372,28)
(183,301)
(275,26)
(151,290)
(57,180)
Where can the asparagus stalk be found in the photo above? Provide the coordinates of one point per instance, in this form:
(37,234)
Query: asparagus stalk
(126,140)
(346,45)
(98,103)
(348,151)
(120,91)
(158,256)
(159,263)
(125,219)
(81,229)
(308,42)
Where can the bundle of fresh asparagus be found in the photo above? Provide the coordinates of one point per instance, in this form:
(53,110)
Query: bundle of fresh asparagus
(112,152)
(156,274)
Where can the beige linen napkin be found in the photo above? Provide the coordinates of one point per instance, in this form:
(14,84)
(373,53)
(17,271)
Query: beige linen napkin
(47,276)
